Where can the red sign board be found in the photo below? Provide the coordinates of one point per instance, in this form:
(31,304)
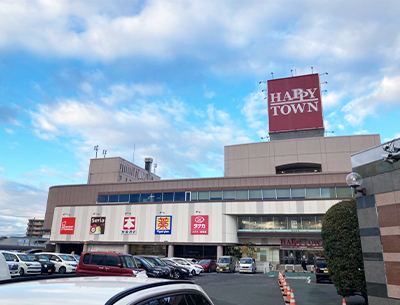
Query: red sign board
(67,225)
(129,225)
(294,103)
(301,243)
(199,224)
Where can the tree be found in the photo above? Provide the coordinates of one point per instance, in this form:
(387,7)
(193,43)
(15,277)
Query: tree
(249,248)
(342,244)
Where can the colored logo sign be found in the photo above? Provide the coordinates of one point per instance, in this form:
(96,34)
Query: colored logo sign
(129,225)
(67,225)
(294,103)
(199,224)
(97,225)
(163,224)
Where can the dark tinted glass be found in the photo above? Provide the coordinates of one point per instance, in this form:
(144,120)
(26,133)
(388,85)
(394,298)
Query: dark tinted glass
(168,197)
(112,260)
(198,299)
(146,198)
(123,198)
(157,197)
(98,259)
(86,259)
(321,263)
(102,198)
(113,198)
(179,196)
(134,198)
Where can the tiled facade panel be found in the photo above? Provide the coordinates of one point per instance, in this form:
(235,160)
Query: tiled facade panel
(393,273)
(391,244)
(375,272)
(388,215)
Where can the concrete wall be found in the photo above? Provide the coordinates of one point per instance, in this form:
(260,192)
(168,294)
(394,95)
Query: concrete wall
(333,153)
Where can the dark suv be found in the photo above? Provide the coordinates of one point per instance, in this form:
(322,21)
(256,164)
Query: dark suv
(176,271)
(321,270)
(108,263)
(47,266)
(151,269)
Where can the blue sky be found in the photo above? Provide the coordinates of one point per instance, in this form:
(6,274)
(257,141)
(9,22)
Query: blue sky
(176,81)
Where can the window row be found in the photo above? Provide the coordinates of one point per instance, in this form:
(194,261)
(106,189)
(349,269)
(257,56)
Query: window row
(280,223)
(270,194)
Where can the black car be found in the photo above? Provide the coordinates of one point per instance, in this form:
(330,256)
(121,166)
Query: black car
(321,270)
(151,269)
(176,271)
(47,266)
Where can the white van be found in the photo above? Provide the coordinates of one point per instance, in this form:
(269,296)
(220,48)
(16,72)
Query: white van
(27,265)
(247,265)
(63,262)
(13,266)
(226,264)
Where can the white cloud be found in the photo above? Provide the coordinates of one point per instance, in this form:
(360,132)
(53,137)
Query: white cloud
(383,98)
(207,93)
(255,110)
(2,170)
(9,131)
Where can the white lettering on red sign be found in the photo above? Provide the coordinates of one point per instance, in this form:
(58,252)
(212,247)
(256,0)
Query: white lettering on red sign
(296,243)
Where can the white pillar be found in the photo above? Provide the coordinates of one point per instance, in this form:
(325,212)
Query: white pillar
(126,248)
(57,248)
(85,247)
(170,250)
(220,251)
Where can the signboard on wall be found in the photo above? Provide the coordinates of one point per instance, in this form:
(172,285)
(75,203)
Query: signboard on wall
(301,243)
(67,225)
(129,225)
(163,225)
(199,224)
(97,225)
(294,103)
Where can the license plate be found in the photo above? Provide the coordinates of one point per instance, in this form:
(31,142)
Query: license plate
(220,270)
(326,271)
(245,270)
(50,271)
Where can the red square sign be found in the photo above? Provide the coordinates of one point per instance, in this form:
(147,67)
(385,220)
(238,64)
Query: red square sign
(129,225)
(67,225)
(294,103)
(199,224)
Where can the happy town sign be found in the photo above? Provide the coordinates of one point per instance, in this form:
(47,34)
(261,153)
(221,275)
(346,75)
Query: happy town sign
(301,243)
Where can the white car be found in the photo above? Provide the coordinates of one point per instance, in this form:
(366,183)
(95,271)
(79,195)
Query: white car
(63,262)
(4,273)
(197,266)
(13,266)
(184,263)
(27,265)
(109,290)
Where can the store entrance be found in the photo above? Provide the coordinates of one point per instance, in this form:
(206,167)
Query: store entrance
(295,256)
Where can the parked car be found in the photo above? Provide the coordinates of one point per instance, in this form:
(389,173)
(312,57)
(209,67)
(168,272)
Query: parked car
(226,264)
(13,266)
(184,263)
(63,263)
(48,267)
(180,272)
(247,265)
(199,268)
(176,271)
(4,269)
(108,264)
(151,269)
(321,270)
(27,265)
(103,290)
(209,265)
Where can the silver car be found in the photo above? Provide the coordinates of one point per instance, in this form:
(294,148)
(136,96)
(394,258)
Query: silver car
(103,290)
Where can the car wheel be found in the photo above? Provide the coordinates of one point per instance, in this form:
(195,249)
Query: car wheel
(177,274)
(62,270)
(209,270)
(193,272)
(21,271)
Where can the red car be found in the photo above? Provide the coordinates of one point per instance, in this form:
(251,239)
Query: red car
(209,265)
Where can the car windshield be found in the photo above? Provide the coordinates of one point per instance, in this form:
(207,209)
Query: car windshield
(223,260)
(321,263)
(67,258)
(156,261)
(25,258)
(182,262)
(171,263)
(245,261)
(151,263)
(204,262)
(42,258)
(128,262)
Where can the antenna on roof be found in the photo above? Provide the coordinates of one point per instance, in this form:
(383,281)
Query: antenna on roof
(96,148)
(272,73)
(104,152)
(312,70)
(291,72)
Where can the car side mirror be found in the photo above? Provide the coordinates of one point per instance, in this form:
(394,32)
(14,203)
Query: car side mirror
(119,265)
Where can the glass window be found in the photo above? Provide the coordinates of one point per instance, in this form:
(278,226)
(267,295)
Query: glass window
(319,219)
(123,198)
(228,195)
(255,194)
(244,223)
(328,192)
(216,195)
(194,196)
(86,258)
(157,197)
(112,260)
(168,197)
(269,194)
(343,192)
(112,198)
(256,223)
(98,259)
(309,223)
(102,198)
(268,222)
(146,198)
(314,192)
(198,299)
(280,223)
(134,198)
(204,196)
(242,195)
(294,223)
(179,196)
(299,193)
(283,193)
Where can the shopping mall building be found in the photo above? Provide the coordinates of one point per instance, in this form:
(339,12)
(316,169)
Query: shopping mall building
(273,194)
